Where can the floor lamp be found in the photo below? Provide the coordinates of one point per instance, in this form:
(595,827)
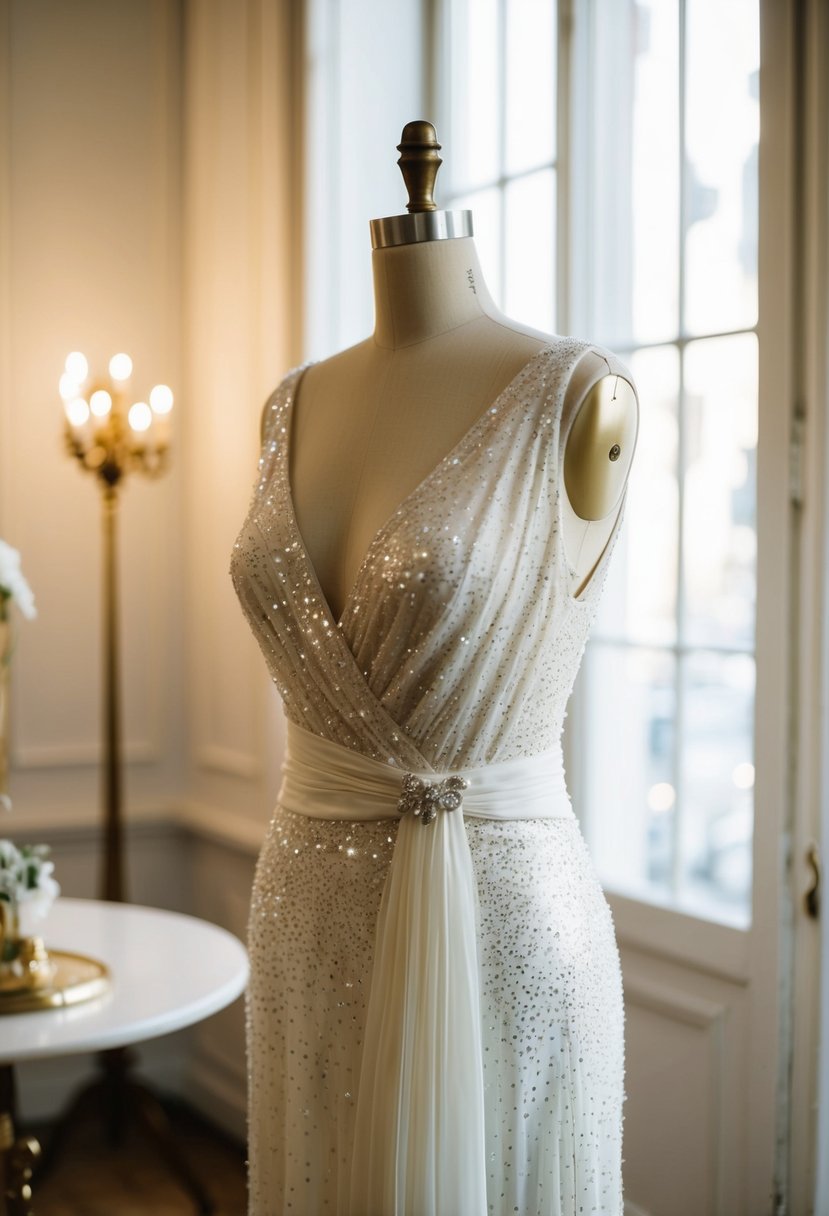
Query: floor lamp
(111,439)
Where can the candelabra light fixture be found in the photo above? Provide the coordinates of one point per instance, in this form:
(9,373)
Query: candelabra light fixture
(106,434)
(111,437)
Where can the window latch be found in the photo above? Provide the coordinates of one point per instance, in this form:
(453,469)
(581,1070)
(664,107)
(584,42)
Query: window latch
(812,897)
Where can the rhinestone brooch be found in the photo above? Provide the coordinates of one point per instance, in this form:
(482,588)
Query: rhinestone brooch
(425,798)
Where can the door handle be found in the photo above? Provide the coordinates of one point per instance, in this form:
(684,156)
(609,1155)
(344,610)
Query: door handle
(812,897)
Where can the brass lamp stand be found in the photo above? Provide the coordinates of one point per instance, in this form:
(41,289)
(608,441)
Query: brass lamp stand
(110,439)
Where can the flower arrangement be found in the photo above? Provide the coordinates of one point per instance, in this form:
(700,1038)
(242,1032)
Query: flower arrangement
(27,890)
(13,585)
(13,589)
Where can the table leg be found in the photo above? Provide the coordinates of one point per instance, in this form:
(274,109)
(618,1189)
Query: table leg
(17,1155)
(124,1097)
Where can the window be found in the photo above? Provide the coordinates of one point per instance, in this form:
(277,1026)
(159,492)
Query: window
(609,156)
(497,107)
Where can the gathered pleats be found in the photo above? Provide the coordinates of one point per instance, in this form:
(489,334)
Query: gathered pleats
(419,1141)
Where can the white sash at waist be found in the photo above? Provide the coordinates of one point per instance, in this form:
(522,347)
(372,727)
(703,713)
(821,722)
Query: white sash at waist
(419,1120)
(325,780)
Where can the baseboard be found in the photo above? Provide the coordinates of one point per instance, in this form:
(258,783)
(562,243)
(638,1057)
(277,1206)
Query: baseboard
(81,826)
(212,823)
(217,1092)
(45,1087)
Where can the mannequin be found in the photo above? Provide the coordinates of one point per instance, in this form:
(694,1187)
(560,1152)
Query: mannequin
(369,423)
(436,1013)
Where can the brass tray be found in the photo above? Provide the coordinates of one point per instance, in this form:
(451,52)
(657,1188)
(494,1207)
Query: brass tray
(77,978)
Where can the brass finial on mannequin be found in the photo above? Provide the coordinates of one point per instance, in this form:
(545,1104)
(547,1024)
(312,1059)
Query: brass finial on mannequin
(419,163)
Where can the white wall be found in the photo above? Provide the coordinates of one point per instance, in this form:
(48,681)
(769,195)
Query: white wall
(90,194)
(242,118)
(277,265)
(152,198)
(89,216)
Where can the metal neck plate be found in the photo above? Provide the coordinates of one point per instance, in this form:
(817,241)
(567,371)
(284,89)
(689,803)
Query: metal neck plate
(419,226)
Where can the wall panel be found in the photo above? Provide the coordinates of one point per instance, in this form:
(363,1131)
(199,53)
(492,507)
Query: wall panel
(243,229)
(89,148)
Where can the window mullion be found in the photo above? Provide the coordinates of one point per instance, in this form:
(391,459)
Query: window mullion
(563,162)
(502,150)
(681,667)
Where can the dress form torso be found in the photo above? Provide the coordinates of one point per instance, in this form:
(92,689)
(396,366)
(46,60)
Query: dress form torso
(372,421)
(465,1052)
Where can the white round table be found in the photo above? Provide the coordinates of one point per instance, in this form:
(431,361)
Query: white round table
(168,971)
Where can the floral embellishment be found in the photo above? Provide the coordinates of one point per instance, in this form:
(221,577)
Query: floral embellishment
(425,798)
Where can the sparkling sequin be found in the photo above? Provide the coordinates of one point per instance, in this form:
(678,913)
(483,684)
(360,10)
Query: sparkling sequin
(458,645)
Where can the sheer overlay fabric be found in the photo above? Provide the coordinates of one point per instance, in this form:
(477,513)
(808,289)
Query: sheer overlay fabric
(434,1018)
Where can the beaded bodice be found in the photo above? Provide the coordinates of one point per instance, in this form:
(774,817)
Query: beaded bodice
(460,641)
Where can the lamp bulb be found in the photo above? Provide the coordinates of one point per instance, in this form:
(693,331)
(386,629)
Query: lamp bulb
(161,399)
(140,416)
(100,403)
(77,366)
(68,386)
(77,411)
(120,367)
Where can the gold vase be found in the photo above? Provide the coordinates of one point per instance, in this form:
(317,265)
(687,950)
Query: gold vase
(24,961)
(9,931)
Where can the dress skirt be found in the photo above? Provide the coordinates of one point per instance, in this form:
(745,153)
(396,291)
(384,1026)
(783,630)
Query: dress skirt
(551,1009)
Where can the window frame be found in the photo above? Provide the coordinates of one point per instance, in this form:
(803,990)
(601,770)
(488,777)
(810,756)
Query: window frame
(576,181)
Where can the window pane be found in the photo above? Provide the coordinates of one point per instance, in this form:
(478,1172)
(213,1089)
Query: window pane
(662,249)
(485,206)
(629,798)
(717,785)
(649,569)
(530,84)
(530,250)
(719,532)
(472,84)
(633,233)
(722,130)
(655,174)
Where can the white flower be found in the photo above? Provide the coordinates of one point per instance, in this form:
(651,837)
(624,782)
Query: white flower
(9,858)
(26,882)
(12,583)
(35,904)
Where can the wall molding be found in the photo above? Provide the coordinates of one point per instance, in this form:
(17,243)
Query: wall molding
(673,1003)
(668,933)
(46,1086)
(83,822)
(211,1085)
(219,826)
(80,755)
(709,1017)
(82,825)
(229,760)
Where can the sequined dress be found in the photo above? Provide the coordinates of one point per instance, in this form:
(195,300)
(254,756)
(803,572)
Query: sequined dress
(458,645)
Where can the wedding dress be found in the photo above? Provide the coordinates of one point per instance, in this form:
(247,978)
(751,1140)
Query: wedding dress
(434,1016)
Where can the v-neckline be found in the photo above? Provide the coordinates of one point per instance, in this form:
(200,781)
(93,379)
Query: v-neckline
(403,506)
